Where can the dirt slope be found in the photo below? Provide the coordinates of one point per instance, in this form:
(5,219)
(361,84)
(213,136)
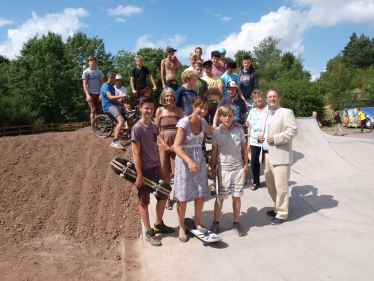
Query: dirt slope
(63,213)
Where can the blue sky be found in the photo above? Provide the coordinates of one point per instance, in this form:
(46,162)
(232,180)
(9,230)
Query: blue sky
(315,29)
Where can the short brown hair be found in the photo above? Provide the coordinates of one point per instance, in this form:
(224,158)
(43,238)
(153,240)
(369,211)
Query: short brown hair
(91,58)
(198,48)
(199,101)
(270,90)
(246,57)
(146,99)
(225,109)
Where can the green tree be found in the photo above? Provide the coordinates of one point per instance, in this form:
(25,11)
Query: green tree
(268,58)
(41,74)
(77,49)
(239,57)
(359,52)
(302,96)
(336,80)
(123,62)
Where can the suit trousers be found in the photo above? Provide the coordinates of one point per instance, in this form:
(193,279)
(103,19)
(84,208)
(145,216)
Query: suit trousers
(277,177)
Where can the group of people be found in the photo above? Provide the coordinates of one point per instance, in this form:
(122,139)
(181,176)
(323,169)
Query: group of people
(173,144)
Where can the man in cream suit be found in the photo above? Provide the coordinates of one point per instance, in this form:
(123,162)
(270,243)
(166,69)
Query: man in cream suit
(278,128)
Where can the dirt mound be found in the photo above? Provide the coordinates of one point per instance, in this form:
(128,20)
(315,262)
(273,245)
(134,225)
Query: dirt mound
(63,213)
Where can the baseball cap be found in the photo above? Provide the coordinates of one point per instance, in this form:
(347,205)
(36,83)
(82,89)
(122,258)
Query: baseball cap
(118,77)
(170,49)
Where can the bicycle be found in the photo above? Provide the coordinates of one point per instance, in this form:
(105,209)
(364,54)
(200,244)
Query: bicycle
(103,125)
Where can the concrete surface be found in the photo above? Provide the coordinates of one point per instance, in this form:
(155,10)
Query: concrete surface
(328,236)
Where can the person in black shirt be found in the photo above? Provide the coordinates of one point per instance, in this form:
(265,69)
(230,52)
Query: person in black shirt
(138,79)
(338,121)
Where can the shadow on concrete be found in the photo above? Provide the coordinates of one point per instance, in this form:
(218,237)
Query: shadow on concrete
(297,156)
(249,218)
(304,200)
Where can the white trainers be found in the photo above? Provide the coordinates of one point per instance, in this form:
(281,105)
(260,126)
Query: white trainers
(117,145)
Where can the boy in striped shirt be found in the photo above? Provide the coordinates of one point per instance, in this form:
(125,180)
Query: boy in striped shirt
(229,149)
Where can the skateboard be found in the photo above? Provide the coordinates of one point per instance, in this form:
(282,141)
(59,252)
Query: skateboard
(213,188)
(206,238)
(153,184)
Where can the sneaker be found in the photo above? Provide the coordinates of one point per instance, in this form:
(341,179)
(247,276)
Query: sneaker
(277,221)
(238,229)
(117,145)
(215,227)
(96,129)
(162,228)
(152,238)
(271,213)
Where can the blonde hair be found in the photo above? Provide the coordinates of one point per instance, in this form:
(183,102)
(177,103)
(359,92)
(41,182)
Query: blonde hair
(257,93)
(138,56)
(188,74)
(193,55)
(163,95)
(225,109)
(199,64)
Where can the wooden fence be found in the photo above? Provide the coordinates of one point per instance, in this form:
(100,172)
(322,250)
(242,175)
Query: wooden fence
(42,128)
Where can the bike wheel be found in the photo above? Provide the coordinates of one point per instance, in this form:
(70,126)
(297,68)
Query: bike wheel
(105,126)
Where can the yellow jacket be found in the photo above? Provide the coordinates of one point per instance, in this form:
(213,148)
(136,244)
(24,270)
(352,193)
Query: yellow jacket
(361,115)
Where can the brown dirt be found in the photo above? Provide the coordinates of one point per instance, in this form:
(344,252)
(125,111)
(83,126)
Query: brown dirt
(64,215)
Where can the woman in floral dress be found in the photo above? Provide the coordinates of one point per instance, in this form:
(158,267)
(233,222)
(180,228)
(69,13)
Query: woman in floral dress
(190,176)
(167,117)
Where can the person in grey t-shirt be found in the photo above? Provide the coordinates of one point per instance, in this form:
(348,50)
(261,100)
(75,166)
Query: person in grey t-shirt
(229,147)
(93,79)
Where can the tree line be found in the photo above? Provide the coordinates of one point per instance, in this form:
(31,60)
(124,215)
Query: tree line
(43,84)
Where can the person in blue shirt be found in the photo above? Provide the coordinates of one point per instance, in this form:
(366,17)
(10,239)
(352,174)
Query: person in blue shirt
(110,105)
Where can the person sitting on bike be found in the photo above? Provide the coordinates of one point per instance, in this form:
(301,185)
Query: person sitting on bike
(122,91)
(110,105)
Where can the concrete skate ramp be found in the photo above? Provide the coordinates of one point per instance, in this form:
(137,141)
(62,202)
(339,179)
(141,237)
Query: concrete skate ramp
(314,157)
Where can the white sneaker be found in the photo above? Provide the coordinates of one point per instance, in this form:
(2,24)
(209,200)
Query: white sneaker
(117,145)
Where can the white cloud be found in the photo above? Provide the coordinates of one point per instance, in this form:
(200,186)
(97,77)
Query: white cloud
(4,22)
(143,42)
(124,10)
(331,12)
(288,24)
(65,24)
(120,20)
(225,19)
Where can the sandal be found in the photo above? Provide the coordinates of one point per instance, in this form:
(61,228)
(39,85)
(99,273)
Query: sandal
(168,205)
(254,186)
(201,228)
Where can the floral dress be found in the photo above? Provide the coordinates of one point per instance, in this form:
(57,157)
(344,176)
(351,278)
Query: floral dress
(188,186)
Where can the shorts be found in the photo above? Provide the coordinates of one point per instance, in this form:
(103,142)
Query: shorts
(116,110)
(211,112)
(337,126)
(95,104)
(172,83)
(230,183)
(144,92)
(143,194)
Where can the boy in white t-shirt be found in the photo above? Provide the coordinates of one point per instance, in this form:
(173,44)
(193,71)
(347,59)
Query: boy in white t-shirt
(229,149)
(122,91)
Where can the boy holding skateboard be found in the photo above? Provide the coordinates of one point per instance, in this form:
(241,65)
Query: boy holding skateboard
(145,153)
(229,149)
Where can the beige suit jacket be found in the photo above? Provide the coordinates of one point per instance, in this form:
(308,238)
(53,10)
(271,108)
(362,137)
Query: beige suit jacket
(283,128)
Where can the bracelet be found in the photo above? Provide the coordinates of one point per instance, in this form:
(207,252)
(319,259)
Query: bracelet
(214,126)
